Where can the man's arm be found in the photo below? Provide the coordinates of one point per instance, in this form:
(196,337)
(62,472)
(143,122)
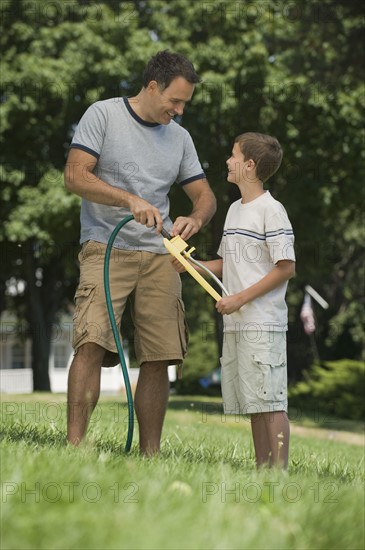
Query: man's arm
(204,207)
(80,179)
(283,271)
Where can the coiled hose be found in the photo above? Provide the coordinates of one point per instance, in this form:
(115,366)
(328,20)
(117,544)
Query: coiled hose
(116,331)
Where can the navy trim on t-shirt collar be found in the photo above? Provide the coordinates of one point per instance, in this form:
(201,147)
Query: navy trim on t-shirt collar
(136,117)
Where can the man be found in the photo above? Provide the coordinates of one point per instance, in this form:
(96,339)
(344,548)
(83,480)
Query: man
(125,156)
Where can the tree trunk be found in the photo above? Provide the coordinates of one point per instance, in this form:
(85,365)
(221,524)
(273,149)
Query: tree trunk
(39,331)
(40,360)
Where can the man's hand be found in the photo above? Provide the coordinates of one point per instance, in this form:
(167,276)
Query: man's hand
(145,213)
(185,227)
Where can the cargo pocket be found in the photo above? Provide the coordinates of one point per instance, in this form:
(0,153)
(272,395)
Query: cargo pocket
(83,298)
(272,376)
(92,252)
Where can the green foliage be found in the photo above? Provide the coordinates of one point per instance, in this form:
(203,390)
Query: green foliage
(336,387)
(42,211)
(200,361)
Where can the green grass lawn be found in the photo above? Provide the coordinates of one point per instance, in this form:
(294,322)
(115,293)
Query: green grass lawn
(202,492)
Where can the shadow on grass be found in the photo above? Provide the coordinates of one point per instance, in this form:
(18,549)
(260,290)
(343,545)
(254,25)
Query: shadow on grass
(37,437)
(315,418)
(15,433)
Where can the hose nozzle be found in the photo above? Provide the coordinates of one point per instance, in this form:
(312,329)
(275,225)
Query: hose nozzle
(166,234)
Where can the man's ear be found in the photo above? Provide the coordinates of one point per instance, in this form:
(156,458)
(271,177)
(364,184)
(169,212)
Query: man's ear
(152,86)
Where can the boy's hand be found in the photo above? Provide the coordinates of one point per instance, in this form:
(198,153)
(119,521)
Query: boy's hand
(229,304)
(177,265)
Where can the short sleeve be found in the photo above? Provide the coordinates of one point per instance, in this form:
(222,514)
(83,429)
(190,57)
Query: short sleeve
(279,236)
(190,167)
(220,248)
(90,132)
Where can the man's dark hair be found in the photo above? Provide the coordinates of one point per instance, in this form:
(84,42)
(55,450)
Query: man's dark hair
(165,66)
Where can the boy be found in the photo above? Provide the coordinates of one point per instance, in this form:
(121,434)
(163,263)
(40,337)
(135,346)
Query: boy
(257,260)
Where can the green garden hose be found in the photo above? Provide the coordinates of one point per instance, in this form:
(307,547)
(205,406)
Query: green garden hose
(116,331)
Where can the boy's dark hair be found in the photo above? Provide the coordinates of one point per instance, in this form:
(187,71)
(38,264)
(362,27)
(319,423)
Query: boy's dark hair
(165,66)
(265,150)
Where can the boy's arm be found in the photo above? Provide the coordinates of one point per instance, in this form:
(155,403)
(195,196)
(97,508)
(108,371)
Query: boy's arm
(283,271)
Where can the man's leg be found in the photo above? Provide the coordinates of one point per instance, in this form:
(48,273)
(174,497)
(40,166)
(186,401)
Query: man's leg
(150,401)
(83,389)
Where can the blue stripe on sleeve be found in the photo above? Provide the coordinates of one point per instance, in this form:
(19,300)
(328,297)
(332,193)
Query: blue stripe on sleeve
(279,232)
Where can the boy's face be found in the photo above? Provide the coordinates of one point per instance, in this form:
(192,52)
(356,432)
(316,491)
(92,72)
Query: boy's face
(239,169)
(235,165)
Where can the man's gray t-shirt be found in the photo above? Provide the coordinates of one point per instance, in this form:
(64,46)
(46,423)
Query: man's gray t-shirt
(143,158)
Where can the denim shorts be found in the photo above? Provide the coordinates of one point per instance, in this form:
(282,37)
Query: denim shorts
(254,372)
(154,290)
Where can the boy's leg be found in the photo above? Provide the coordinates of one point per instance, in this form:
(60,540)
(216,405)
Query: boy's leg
(260,440)
(271,433)
(83,389)
(278,434)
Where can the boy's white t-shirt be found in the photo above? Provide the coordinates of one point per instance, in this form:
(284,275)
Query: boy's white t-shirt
(256,236)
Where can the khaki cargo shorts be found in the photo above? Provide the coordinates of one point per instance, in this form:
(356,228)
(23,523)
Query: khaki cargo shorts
(154,288)
(254,372)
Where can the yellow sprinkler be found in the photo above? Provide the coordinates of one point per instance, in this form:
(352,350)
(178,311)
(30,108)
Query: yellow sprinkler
(180,250)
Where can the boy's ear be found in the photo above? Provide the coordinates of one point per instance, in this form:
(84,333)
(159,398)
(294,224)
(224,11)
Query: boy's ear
(251,165)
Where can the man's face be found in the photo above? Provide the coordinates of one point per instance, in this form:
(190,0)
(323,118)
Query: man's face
(171,101)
